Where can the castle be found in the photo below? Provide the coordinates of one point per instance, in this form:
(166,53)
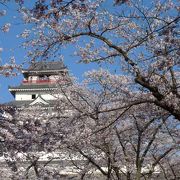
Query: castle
(40,82)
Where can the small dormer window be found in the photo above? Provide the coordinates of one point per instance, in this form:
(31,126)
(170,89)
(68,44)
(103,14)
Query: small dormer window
(43,77)
(33,96)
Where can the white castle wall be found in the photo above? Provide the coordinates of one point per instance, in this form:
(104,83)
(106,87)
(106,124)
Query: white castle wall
(33,78)
(27,96)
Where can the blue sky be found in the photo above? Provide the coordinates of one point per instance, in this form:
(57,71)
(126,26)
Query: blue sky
(11,47)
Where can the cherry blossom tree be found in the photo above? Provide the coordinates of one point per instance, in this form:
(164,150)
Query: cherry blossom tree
(118,126)
(98,131)
(30,143)
(10,68)
(142,36)
(118,140)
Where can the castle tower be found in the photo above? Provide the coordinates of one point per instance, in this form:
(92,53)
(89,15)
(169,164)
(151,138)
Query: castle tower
(40,80)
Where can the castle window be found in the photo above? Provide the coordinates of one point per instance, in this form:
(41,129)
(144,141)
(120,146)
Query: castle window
(33,96)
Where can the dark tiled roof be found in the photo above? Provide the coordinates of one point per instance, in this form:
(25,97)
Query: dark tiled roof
(33,86)
(20,104)
(44,66)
